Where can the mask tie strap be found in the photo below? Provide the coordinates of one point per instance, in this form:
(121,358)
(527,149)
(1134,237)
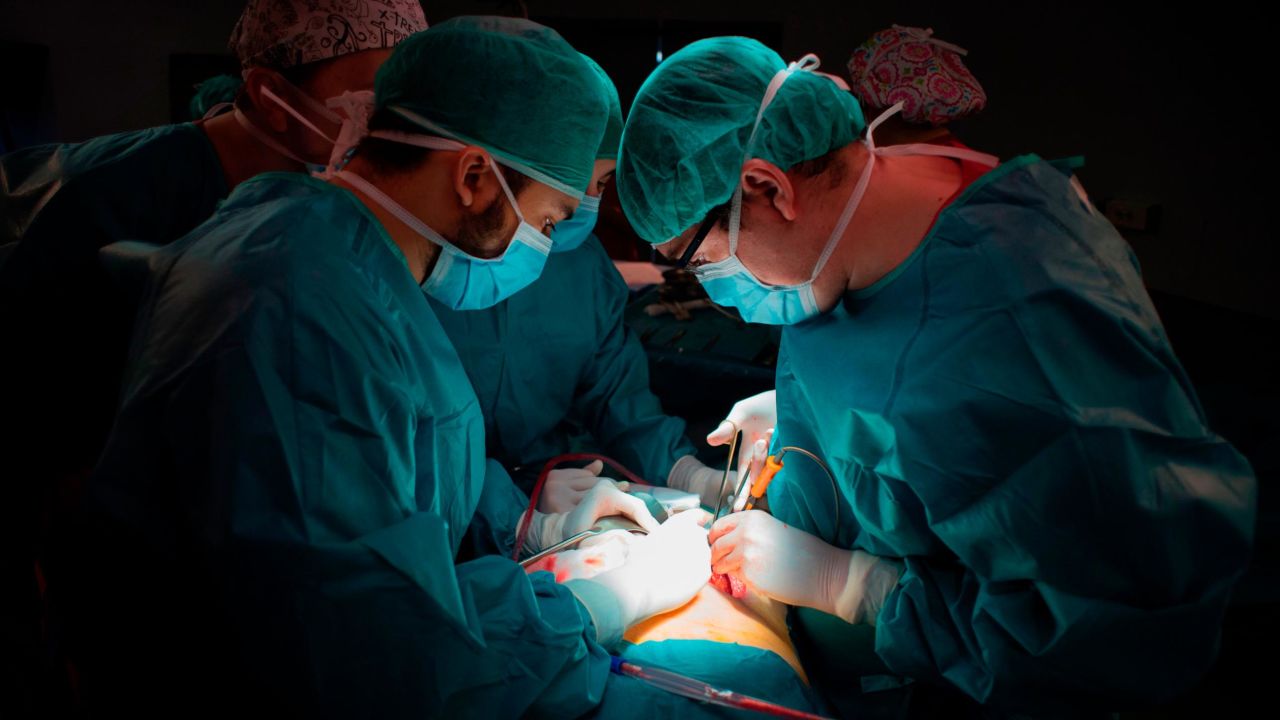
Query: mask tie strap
(322,110)
(807,63)
(855,198)
(266,140)
(434,142)
(926,35)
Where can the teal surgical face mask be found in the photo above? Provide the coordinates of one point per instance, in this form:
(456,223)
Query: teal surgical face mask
(570,234)
(460,280)
(729,282)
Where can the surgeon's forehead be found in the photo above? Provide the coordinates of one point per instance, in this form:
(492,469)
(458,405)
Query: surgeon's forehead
(559,202)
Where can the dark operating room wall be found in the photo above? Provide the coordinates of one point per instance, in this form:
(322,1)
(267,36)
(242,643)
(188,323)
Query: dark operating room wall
(1166,107)
(109,59)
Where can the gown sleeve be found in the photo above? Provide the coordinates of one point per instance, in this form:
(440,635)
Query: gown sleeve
(330,491)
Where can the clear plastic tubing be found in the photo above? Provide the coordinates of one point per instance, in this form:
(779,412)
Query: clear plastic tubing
(684,686)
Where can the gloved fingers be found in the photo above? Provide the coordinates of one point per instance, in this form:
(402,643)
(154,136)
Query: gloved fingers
(563,493)
(697,516)
(575,478)
(622,485)
(722,434)
(753,462)
(560,502)
(724,545)
(608,500)
(634,508)
(580,481)
(684,530)
(729,563)
(724,526)
(751,415)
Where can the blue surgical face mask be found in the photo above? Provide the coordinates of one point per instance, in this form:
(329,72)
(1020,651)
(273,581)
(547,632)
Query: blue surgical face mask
(464,282)
(460,280)
(729,282)
(570,234)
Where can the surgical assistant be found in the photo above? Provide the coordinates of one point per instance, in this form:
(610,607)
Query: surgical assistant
(299,453)
(60,204)
(557,358)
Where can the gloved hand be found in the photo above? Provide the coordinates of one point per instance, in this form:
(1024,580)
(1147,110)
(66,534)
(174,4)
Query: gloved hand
(690,475)
(564,489)
(756,417)
(601,501)
(794,567)
(663,571)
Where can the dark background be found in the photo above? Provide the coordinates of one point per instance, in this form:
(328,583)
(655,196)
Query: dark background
(1166,107)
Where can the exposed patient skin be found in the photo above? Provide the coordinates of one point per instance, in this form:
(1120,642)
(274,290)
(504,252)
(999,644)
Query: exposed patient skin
(712,615)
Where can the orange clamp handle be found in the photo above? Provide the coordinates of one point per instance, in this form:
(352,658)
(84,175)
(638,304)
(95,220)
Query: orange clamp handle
(771,468)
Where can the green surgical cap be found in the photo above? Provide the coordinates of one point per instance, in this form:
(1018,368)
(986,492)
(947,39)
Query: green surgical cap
(509,85)
(613,130)
(686,135)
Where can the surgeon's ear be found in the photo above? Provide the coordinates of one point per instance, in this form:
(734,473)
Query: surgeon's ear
(472,176)
(763,181)
(266,110)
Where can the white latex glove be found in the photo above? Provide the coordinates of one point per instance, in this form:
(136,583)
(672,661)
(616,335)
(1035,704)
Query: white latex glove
(564,489)
(756,417)
(601,501)
(663,570)
(690,475)
(794,567)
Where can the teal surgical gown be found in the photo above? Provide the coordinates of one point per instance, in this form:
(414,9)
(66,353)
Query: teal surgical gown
(297,456)
(67,325)
(556,359)
(1004,414)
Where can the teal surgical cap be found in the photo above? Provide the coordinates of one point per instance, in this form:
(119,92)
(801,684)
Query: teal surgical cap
(686,135)
(613,130)
(509,85)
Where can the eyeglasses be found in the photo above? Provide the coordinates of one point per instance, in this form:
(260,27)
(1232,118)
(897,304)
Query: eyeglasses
(704,229)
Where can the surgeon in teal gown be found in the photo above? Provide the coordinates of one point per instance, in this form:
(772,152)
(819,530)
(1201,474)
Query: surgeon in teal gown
(67,323)
(1027,505)
(298,454)
(65,333)
(1079,514)
(557,359)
